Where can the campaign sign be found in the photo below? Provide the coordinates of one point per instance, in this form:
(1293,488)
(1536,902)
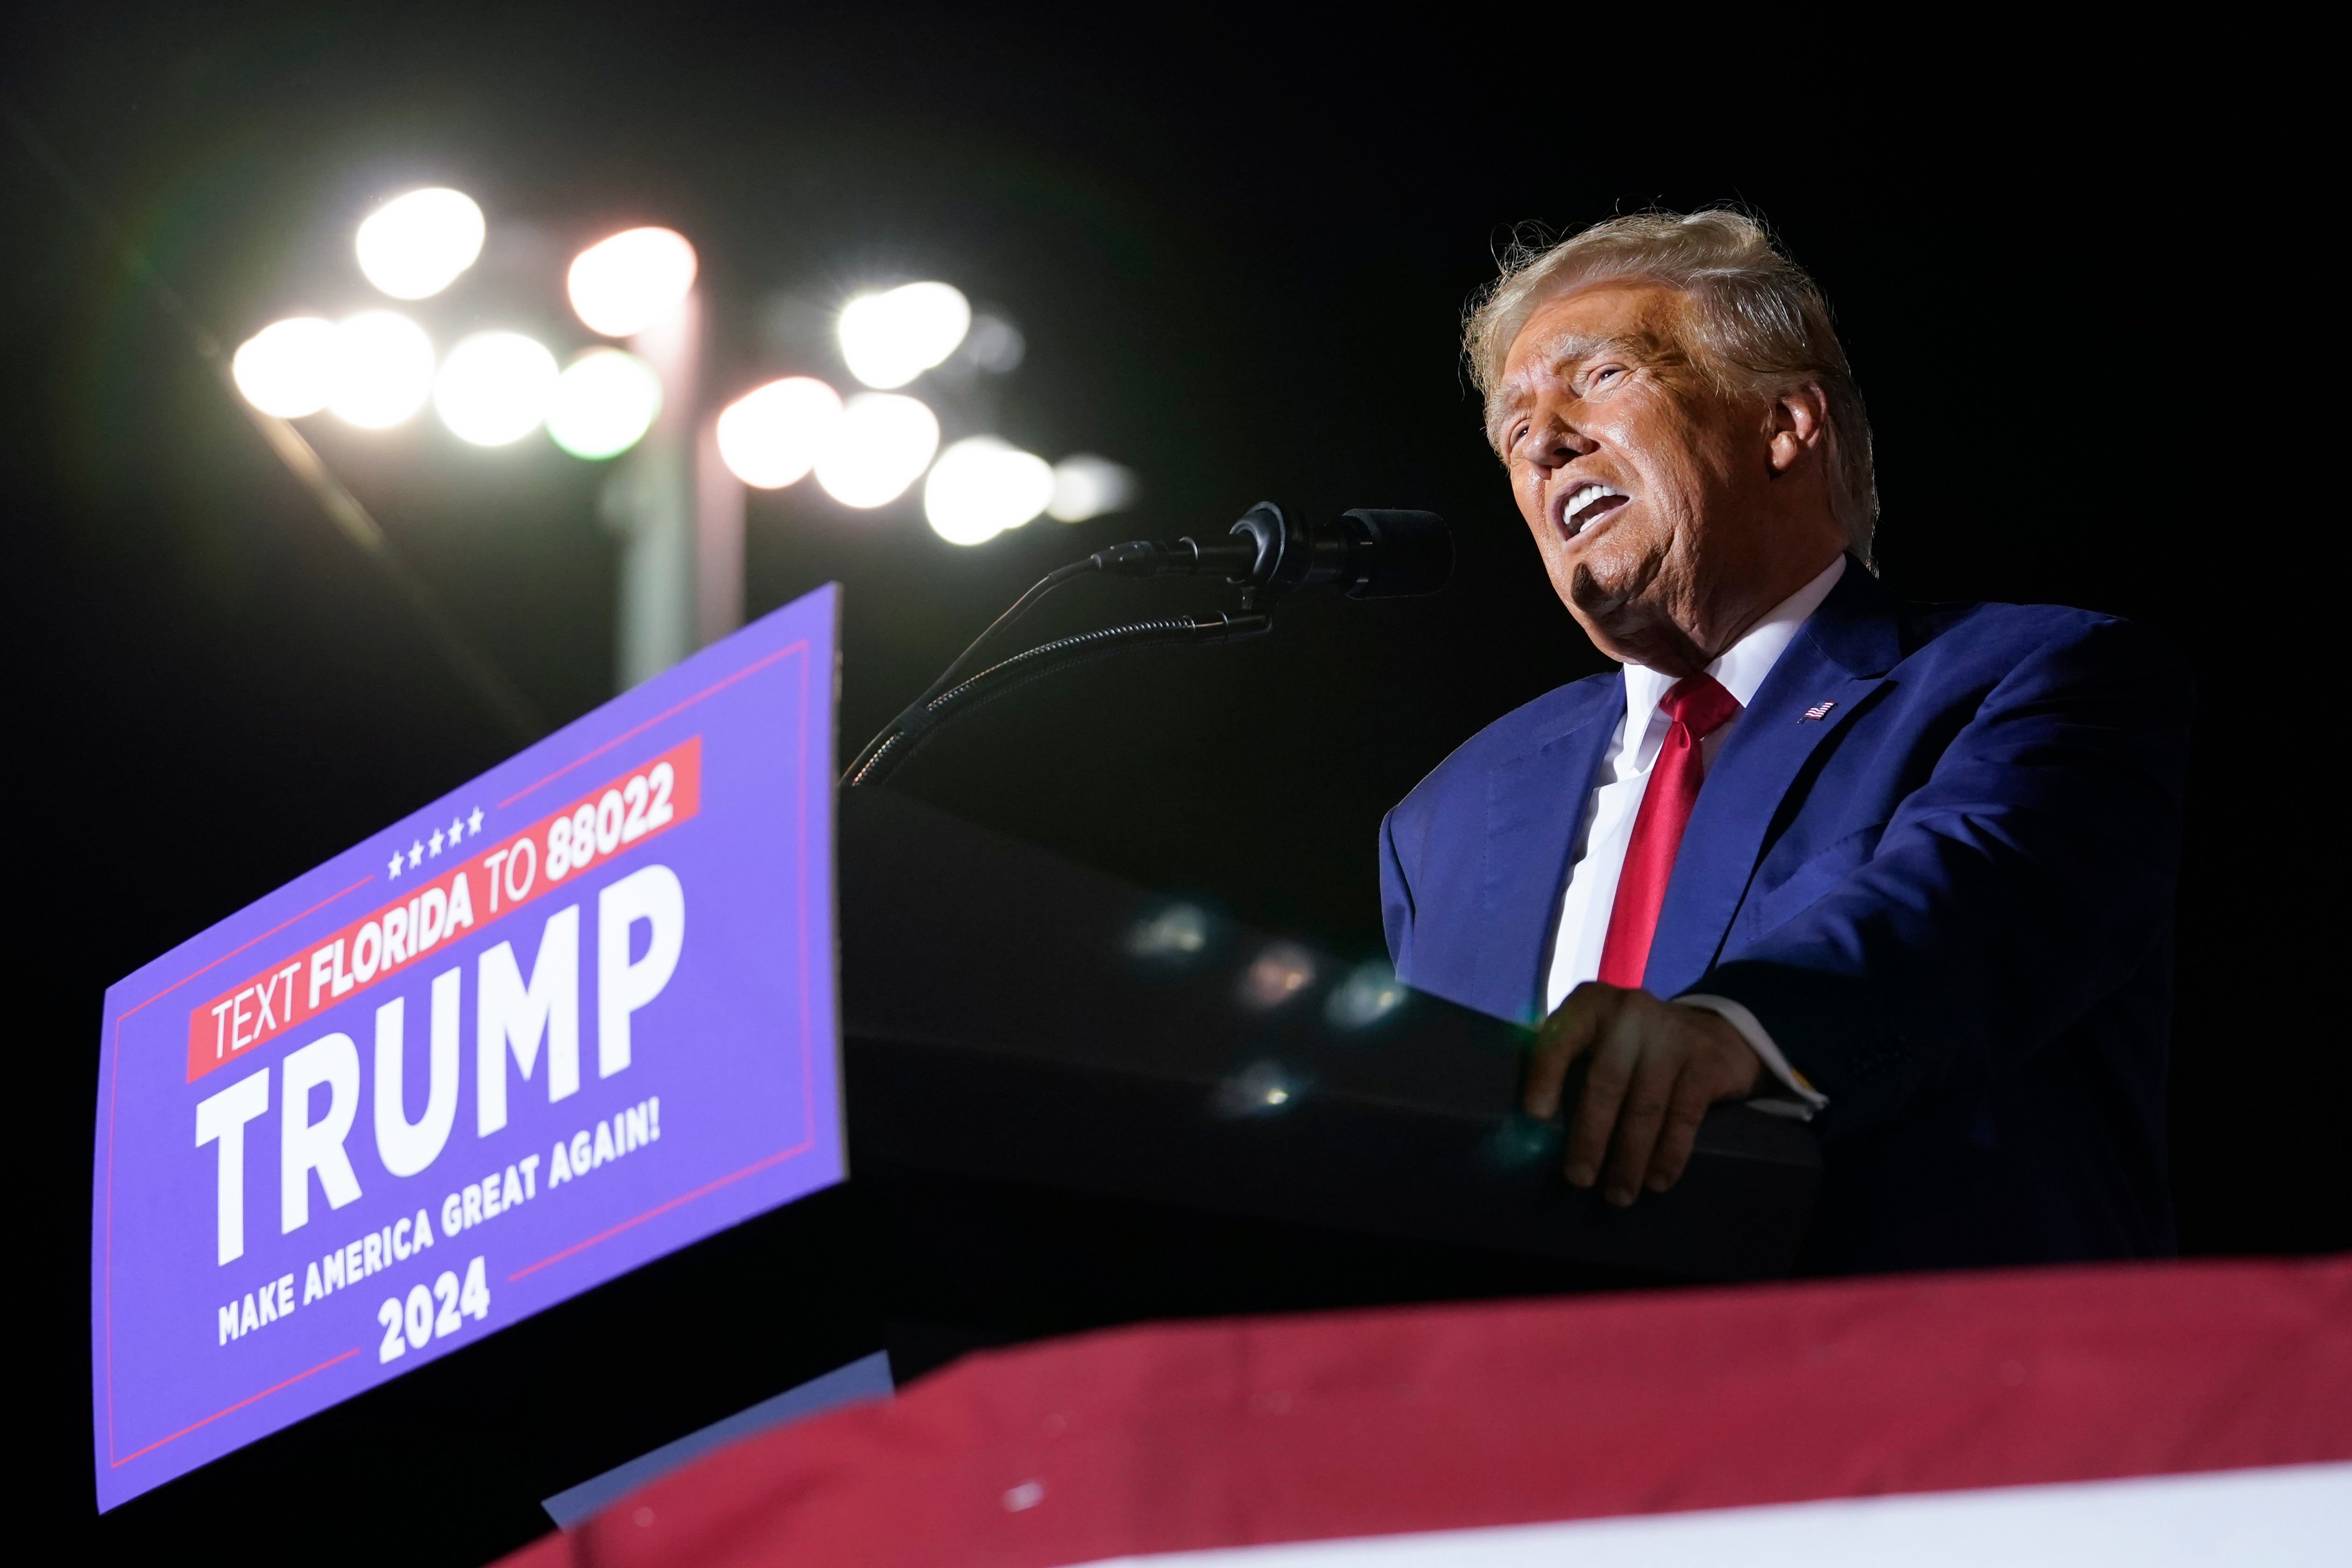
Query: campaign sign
(569,1017)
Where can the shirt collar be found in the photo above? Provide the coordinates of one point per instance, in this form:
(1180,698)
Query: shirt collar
(1744,665)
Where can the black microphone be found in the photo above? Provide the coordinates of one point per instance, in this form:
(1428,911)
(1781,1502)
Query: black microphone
(1367,553)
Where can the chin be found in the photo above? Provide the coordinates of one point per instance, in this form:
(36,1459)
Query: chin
(1604,568)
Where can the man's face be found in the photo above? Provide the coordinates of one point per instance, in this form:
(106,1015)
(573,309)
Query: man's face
(1642,483)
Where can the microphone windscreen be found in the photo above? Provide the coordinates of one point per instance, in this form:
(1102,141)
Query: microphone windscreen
(1407,552)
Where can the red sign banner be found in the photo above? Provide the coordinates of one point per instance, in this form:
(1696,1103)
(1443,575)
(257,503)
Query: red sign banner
(484,885)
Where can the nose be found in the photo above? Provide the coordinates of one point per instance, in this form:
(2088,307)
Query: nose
(1555,444)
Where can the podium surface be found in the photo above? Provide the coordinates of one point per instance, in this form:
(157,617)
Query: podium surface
(1010,1016)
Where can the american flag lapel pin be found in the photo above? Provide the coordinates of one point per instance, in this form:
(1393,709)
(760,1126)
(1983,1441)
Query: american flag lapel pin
(1818,711)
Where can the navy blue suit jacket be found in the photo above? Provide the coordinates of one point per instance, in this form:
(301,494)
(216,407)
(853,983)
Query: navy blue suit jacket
(1950,899)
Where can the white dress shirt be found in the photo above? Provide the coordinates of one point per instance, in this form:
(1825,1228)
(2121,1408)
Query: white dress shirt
(1610,810)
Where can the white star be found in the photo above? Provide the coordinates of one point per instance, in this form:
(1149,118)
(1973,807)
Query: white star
(395,862)
(454,833)
(415,855)
(437,843)
(474,823)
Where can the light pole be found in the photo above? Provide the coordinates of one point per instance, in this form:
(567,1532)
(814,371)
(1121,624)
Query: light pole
(680,512)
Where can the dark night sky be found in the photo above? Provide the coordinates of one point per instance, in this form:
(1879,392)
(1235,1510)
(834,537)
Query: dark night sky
(1238,247)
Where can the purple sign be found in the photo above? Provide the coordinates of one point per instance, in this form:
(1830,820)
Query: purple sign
(574,1015)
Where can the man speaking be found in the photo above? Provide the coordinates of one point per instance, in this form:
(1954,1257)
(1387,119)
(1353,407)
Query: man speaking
(1906,870)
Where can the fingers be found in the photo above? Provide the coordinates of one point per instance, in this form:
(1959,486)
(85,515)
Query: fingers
(1654,1069)
(1613,1063)
(1639,1124)
(1718,1065)
(1558,1041)
(1689,1109)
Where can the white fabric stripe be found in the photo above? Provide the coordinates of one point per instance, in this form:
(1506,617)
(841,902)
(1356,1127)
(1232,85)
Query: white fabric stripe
(2288,1517)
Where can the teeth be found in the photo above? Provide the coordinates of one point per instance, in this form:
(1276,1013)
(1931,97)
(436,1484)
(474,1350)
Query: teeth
(1586,497)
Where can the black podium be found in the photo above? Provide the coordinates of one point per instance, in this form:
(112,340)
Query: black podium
(1061,1060)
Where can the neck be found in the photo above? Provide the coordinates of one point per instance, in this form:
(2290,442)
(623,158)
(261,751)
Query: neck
(1680,635)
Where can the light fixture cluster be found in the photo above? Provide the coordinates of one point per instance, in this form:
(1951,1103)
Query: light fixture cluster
(378,368)
(869,449)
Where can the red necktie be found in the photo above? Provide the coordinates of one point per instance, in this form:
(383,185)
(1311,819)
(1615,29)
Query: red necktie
(1698,707)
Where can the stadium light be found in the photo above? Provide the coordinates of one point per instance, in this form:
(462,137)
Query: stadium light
(1086,486)
(770,437)
(287,367)
(882,444)
(494,388)
(415,246)
(889,339)
(604,404)
(622,285)
(380,370)
(982,485)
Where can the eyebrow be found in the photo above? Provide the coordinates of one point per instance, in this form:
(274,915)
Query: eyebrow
(1572,349)
(1567,348)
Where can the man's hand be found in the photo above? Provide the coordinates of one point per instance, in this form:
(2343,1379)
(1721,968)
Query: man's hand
(1655,1069)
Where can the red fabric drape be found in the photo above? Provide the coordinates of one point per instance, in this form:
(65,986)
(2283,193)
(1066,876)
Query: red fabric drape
(1190,1435)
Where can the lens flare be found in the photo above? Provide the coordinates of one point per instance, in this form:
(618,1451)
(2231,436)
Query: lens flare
(1369,994)
(622,285)
(982,485)
(770,437)
(889,339)
(1261,1089)
(382,369)
(415,246)
(1279,972)
(881,444)
(1175,932)
(288,367)
(604,402)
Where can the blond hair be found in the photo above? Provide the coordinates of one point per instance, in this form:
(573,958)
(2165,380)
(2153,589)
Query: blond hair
(1762,324)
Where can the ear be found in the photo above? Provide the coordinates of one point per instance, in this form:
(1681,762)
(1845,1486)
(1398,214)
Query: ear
(1796,425)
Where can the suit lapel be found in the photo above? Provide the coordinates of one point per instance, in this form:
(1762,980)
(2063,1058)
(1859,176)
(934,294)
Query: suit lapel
(1535,805)
(1840,658)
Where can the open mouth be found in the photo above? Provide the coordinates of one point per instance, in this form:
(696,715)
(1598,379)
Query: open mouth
(1587,505)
